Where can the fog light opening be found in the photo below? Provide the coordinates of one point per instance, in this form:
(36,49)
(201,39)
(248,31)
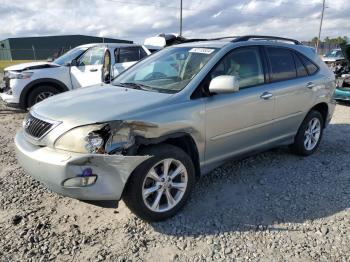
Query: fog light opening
(87,178)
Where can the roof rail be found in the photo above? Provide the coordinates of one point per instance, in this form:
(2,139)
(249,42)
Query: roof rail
(188,40)
(224,37)
(265,37)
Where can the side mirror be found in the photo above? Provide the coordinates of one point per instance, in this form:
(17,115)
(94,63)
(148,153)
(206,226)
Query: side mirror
(224,84)
(74,62)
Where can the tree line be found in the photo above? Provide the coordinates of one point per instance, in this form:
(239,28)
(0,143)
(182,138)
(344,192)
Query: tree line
(332,41)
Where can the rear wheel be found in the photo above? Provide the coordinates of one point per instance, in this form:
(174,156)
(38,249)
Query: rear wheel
(40,93)
(309,134)
(161,185)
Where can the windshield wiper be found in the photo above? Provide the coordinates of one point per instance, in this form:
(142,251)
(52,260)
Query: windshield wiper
(137,86)
(130,85)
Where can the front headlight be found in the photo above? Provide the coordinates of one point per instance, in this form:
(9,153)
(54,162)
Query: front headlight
(19,75)
(97,139)
(85,139)
(122,138)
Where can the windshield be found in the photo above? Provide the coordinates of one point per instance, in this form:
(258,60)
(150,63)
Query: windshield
(168,71)
(70,55)
(334,53)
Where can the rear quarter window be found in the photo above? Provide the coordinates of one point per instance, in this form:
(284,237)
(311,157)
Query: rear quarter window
(310,66)
(301,69)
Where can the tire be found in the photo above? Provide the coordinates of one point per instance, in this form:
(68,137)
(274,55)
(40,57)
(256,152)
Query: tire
(40,93)
(300,146)
(140,181)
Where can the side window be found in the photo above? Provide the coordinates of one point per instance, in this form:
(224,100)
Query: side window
(245,64)
(282,63)
(339,53)
(94,56)
(301,70)
(128,54)
(311,67)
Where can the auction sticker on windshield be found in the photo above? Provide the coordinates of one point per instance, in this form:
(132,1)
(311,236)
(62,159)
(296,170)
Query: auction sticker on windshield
(202,50)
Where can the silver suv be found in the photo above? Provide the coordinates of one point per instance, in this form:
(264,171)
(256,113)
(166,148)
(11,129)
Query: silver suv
(174,116)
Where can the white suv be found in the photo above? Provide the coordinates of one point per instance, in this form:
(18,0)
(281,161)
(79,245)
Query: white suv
(29,83)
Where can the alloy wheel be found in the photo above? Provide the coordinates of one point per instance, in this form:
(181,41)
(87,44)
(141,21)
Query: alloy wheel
(42,96)
(164,185)
(312,134)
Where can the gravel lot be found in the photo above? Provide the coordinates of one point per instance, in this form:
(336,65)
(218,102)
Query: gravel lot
(271,207)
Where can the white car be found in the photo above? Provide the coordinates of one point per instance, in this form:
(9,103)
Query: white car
(333,55)
(29,83)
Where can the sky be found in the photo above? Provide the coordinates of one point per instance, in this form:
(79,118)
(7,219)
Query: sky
(137,19)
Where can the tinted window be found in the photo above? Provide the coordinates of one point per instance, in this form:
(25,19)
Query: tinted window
(301,70)
(245,64)
(129,54)
(311,67)
(282,64)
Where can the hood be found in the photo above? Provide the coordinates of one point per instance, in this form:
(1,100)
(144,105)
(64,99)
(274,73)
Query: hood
(31,66)
(100,103)
(346,52)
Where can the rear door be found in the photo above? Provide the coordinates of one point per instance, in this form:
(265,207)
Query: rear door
(242,121)
(292,87)
(126,57)
(89,68)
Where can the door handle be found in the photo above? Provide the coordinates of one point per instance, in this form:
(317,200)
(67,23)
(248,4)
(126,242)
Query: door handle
(266,95)
(93,70)
(310,85)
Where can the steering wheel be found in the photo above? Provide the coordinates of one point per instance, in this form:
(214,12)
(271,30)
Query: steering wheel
(153,75)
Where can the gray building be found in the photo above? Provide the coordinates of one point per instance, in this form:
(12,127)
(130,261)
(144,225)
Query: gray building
(43,47)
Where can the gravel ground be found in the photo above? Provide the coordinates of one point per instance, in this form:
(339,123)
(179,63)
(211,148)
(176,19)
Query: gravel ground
(270,207)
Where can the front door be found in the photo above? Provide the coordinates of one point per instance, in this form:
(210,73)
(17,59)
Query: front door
(89,68)
(239,122)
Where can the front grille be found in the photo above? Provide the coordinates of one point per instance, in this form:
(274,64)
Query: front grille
(35,127)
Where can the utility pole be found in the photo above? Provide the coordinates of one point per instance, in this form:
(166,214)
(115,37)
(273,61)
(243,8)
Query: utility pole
(319,31)
(180,17)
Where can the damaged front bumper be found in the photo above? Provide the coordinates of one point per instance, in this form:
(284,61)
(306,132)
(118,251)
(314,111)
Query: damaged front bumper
(54,167)
(10,90)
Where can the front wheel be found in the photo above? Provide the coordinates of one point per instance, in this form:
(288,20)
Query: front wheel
(309,134)
(161,185)
(40,93)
